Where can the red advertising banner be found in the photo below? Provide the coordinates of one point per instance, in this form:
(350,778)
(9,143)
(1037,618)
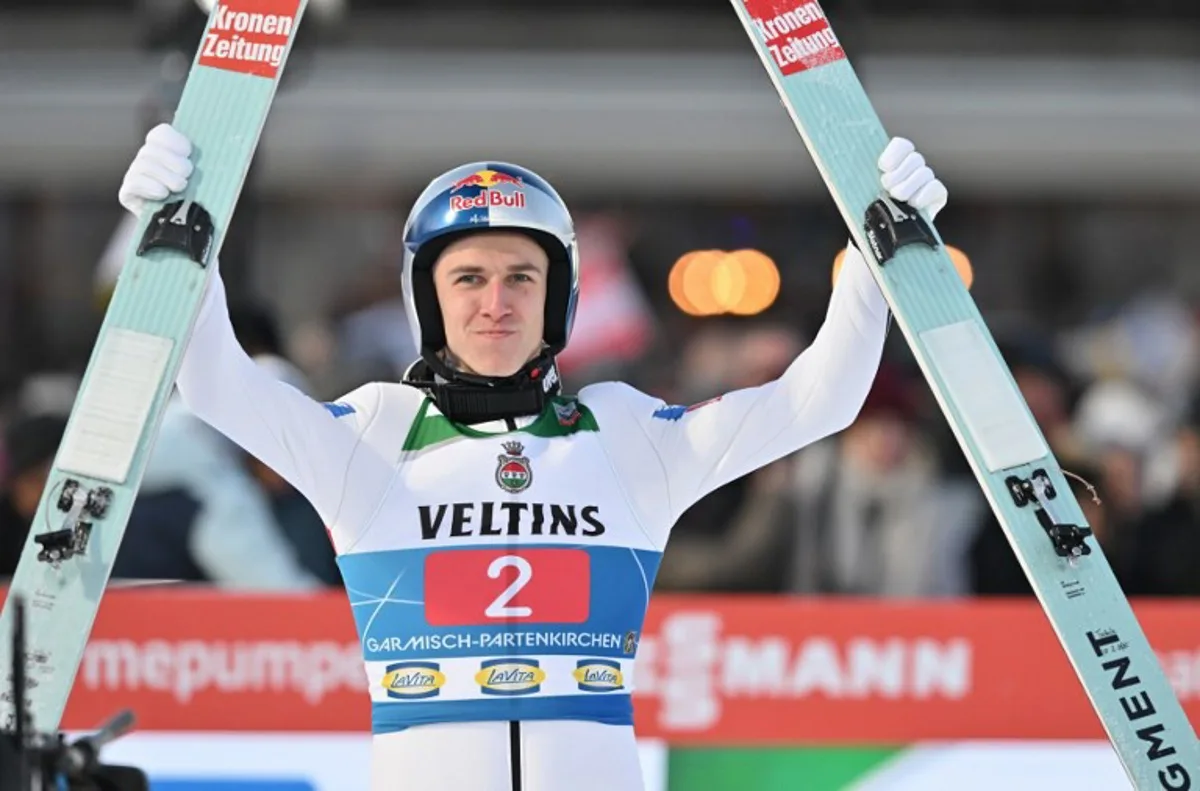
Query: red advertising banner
(756,671)
(716,670)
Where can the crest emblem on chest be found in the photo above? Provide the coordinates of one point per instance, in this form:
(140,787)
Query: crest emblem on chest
(513,472)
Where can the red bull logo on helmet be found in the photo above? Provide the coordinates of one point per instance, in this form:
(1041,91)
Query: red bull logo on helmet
(486,178)
(488,197)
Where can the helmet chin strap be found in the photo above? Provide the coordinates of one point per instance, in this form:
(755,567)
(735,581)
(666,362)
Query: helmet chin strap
(471,398)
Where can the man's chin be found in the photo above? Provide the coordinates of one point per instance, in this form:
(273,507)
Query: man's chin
(493,360)
(495,368)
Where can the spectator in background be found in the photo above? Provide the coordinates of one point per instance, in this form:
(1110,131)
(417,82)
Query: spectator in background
(876,516)
(1122,428)
(47,393)
(368,326)
(1165,553)
(301,525)
(30,444)
(733,539)
(204,515)
(295,516)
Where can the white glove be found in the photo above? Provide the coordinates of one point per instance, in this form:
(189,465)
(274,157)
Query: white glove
(162,166)
(906,177)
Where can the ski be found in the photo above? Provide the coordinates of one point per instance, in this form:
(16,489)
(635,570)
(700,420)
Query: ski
(977,394)
(73,541)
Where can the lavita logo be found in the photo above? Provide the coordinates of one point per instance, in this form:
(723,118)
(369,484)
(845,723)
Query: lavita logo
(599,675)
(413,680)
(510,677)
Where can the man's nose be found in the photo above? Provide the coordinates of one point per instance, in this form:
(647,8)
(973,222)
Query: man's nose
(495,300)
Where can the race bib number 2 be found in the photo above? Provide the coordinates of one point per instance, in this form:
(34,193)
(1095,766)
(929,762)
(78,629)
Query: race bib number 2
(477,587)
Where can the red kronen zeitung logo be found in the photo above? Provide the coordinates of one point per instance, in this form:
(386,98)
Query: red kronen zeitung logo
(798,36)
(249,36)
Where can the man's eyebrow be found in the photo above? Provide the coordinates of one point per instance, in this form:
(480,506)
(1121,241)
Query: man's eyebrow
(474,269)
(469,269)
(466,268)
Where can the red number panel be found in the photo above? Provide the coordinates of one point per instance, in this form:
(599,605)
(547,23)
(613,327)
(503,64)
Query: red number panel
(475,587)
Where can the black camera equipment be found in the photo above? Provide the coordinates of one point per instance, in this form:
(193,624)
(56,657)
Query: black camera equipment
(32,761)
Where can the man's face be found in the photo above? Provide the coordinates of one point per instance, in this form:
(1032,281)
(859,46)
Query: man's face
(491,288)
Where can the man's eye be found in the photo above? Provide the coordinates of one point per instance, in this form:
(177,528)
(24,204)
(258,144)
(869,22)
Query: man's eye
(521,277)
(468,279)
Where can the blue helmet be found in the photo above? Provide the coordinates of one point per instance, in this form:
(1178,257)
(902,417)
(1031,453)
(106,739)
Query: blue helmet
(483,196)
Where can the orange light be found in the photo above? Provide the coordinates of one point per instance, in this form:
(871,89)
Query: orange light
(761,277)
(838,260)
(728,282)
(715,282)
(675,285)
(698,277)
(963,264)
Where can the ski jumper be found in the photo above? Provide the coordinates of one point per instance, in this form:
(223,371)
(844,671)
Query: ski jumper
(498,574)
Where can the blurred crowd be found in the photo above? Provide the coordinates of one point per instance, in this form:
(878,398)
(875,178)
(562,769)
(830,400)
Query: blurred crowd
(888,507)
(206,511)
